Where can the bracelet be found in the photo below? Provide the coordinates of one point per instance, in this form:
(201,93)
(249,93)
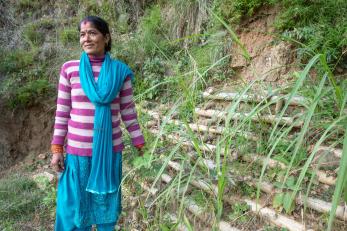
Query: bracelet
(57,148)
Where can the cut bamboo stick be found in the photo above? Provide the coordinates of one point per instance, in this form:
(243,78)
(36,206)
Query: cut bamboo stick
(201,127)
(288,121)
(224,226)
(229,96)
(274,217)
(322,206)
(335,151)
(323,177)
(197,183)
(195,209)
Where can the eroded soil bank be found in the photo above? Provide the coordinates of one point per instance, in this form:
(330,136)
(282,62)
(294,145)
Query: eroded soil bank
(24,131)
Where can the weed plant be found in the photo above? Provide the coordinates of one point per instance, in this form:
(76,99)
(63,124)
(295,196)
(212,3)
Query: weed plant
(21,202)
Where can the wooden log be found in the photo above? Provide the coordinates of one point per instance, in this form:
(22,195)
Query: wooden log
(288,121)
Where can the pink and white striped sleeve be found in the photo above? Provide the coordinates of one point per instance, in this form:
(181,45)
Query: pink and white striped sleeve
(62,114)
(128,113)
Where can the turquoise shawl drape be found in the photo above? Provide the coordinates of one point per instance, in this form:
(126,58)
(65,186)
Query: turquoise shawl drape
(101,94)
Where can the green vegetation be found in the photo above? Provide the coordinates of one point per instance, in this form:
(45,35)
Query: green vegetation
(21,201)
(69,36)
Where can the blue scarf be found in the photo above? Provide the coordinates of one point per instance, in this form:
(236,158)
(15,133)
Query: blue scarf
(101,94)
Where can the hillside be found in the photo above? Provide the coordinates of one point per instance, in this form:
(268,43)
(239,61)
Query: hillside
(221,86)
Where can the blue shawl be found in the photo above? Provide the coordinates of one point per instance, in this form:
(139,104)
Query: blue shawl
(101,94)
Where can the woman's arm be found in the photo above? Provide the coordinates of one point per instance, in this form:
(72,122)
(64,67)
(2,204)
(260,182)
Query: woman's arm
(129,115)
(62,116)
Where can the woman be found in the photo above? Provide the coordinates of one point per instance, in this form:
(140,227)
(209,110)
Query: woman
(92,92)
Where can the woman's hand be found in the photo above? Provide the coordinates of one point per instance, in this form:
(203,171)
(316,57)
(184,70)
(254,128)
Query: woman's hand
(140,151)
(57,162)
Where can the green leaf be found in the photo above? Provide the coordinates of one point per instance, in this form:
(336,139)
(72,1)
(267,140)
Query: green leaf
(288,203)
(290,183)
(278,200)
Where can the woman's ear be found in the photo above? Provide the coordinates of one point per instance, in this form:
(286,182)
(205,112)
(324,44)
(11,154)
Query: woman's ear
(107,38)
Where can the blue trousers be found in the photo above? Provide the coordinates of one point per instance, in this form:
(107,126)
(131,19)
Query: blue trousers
(77,209)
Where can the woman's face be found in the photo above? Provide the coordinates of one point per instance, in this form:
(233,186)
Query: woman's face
(92,41)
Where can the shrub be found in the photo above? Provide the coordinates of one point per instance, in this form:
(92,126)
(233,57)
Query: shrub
(33,35)
(30,93)
(16,60)
(321,25)
(69,36)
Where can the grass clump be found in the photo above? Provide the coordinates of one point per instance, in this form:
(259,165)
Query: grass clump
(321,25)
(16,60)
(21,204)
(69,36)
(30,93)
(232,11)
(33,35)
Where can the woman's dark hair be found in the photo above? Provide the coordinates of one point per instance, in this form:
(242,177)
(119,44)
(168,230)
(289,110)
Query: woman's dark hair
(101,25)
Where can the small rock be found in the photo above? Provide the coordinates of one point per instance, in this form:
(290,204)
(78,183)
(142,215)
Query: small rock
(339,69)
(42,156)
(43,179)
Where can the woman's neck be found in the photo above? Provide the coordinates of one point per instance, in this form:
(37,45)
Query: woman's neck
(96,58)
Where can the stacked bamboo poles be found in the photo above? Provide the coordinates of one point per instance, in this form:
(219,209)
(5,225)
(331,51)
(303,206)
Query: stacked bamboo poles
(313,203)
(323,177)
(265,212)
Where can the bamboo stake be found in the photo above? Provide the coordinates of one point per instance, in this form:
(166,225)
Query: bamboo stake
(229,96)
(237,116)
(194,208)
(203,128)
(335,151)
(275,218)
(323,177)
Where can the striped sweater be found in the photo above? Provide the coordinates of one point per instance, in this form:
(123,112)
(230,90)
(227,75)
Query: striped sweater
(74,119)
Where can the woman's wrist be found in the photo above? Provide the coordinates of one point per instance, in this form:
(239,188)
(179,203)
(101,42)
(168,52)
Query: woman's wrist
(57,149)
(139,146)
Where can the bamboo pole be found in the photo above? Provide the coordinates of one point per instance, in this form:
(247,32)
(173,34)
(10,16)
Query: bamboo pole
(288,121)
(229,96)
(313,203)
(194,208)
(335,151)
(323,177)
(277,219)
(270,214)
